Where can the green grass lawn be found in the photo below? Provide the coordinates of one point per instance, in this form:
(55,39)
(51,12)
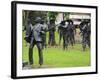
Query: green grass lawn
(57,57)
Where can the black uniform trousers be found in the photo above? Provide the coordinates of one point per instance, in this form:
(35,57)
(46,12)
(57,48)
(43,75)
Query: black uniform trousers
(39,46)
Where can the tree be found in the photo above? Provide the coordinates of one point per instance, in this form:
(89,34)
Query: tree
(52,15)
(66,15)
(25,18)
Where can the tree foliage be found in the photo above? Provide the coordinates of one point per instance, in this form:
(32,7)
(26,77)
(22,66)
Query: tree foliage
(52,15)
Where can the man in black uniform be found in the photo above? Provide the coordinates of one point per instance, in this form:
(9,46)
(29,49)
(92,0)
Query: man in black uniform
(36,39)
(70,32)
(85,28)
(52,30)
(63,28)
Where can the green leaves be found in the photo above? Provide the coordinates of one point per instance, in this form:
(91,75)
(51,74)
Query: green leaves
(52,15)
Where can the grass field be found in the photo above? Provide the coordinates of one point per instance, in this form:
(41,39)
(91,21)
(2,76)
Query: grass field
(57,57)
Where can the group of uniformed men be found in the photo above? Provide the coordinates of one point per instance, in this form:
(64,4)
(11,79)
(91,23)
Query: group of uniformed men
(36,35)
